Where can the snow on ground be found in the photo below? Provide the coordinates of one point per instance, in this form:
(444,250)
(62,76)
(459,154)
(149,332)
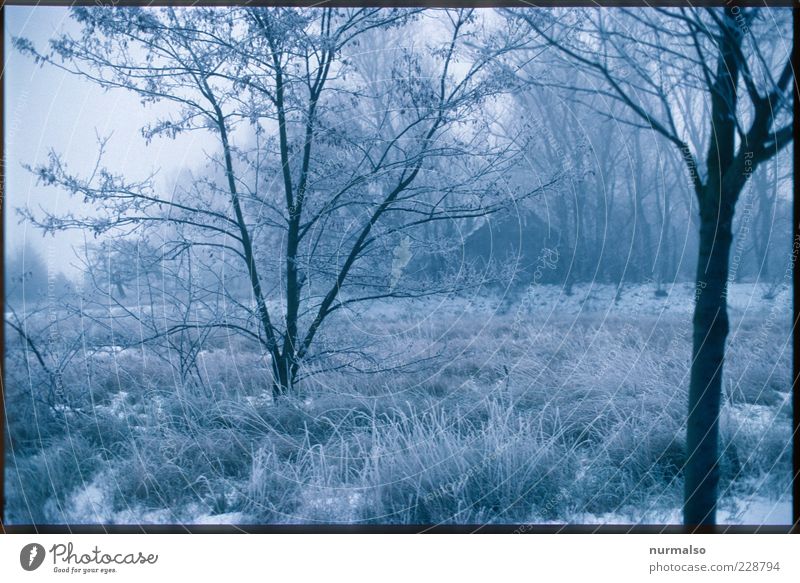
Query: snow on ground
(752,419)
(744,299)
(117,405)
(93,503)
(755,511)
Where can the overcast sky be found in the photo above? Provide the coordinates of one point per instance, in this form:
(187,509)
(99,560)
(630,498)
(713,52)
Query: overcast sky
(48,109)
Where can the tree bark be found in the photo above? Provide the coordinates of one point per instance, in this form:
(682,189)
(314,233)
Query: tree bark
(710,333)
(284,372)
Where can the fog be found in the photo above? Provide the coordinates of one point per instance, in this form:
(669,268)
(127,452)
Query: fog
(398,266)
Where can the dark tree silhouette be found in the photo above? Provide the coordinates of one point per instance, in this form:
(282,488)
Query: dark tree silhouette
(309,211)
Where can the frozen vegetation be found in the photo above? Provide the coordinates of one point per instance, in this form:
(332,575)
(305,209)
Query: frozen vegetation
(575,416)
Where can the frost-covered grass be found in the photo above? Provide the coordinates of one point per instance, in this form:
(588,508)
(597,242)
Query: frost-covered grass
(568,411)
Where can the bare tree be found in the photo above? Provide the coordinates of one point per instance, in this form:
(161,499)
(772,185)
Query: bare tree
(741,75)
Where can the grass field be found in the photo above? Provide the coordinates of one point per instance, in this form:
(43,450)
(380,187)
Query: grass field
(564,410)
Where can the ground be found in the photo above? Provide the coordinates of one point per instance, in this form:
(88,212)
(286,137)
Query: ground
(545,409)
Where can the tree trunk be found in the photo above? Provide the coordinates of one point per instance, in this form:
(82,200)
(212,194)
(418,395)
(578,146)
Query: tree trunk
(766,194)
(710,332)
